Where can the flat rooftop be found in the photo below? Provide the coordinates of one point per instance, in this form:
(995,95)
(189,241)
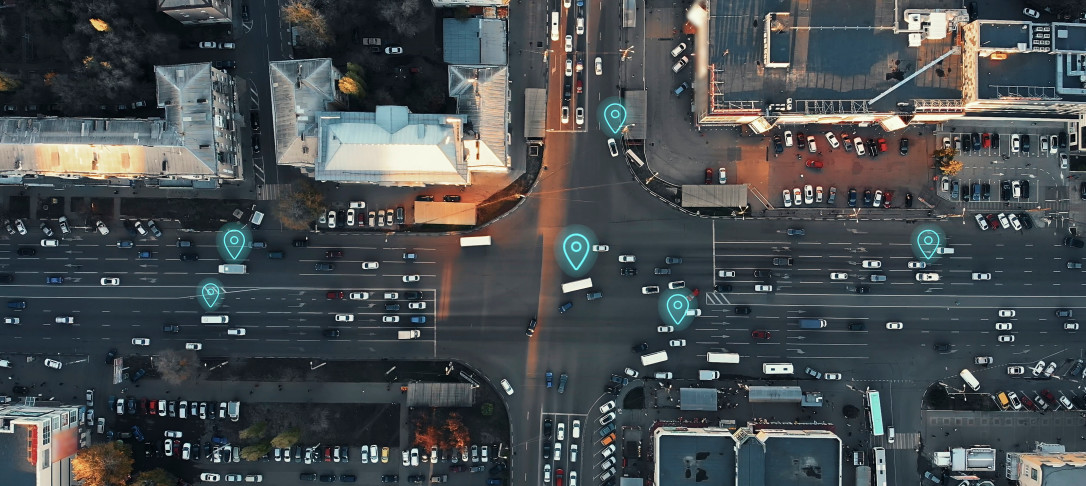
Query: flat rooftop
(14,467)
(834,50)
(696,459)
(1031,60)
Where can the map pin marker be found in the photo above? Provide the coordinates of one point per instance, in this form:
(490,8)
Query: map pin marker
(234,242)
(676,307)
(575,248)
(210,293)
(928,243)
(615,117)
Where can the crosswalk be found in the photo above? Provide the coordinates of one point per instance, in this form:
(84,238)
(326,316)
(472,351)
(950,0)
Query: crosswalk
(902,440)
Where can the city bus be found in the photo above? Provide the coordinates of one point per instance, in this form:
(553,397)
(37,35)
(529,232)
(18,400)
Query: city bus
(880,466)
(576,285)
(475,241)
(715,357)
(874,405)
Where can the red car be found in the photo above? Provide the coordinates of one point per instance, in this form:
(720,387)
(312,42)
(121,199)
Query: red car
(558,476)
(334,294)
(985,140)
(143,406)
(882,145)
(151,408)
(814,164)
(760,334)
(697,292)
(333,254)
(327,454)
(801,141)
(1047,394)
(580,86)
(1025,400)
(708,176)
(993,221)
(886,199)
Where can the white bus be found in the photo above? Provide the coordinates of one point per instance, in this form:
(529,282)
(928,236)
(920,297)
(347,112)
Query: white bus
(777,368)
(722,357)
(475,241)
(654,358)
(232,268)
(970,380)
(576,285)
(554,26)
(880,466)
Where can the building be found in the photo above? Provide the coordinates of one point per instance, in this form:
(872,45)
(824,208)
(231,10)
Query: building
(749,456)
(38,443)
(1047,465)
(300,89)
(474,42)
(470,3)
(194,145)
(787,68)
(197,12)
(481,97)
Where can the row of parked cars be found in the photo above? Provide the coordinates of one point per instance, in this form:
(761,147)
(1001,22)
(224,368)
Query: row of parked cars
(815,194)
(1019,142)
(1016,190)
(871,146)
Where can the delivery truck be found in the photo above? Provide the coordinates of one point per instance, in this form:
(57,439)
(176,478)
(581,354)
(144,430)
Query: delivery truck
(653,358)
(235,268)
(408,334)
(707,375)
(812,323)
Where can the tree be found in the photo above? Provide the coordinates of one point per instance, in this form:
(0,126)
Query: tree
(457,436)
(254,432)
(107,464)
(951,167)
(100,25)
(403,15)
(176,366)
(426,434)
(301,206)
(287,438)
(313,27)
(8,83)
(486,409)
(155,477)
(256,451)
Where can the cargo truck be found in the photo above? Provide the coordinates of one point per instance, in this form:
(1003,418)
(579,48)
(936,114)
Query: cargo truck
(653,358)
(232,268)
(708,375)
(812,323)
(408,334)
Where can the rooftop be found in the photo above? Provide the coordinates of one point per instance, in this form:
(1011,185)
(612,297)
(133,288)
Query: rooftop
(300,89)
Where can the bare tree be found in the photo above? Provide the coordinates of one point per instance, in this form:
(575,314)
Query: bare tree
(177,367)
(403,15)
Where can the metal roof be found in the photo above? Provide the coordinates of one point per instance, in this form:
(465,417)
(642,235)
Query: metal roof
(300,89)
(636,104)
(535,113)
(783,394)
(199,103)
(440,395)
(391,146)
(714,195)
(481,96)
(474,42)
(697,399)
(444,213)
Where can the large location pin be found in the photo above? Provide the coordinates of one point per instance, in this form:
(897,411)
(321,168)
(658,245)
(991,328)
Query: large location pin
(234,242)
(676,308)
(614,115)
(928,242)
(210,293)
(575,247)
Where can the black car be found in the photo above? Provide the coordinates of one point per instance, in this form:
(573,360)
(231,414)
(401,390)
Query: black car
(722,288)
(908,199)
(110,356)
(620,380)
(903,146)
(1061,140)
(986,191)
(27,251)
(763,273)
(324,267)
(331,333)
(413,295)
(941,347)
(1026,220)
(548,428)
(976,141)
(189,257)
(531,328)
(140,373)
(1005,190)
(1064,313)
(451,198)
(302,243)
(640,347)
(862,289)
(256,143)
(387,478)
(971,7)
(1025,189)
(1082,189)
(778,146)
(130,406)
(6,278)
(742,310)
(872,148)
(547,449)
(995,141)
(628,272)
(667,271)
(1073,242)
(171,328)
(967,142)
(868,197)
(424,197)
(801,140)
(613,389)
(857,326)
(851,197)
(224,64)
(1025,143)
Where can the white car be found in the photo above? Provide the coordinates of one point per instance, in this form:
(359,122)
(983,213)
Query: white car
(927,277)
(859,143)
(507,387)
(569,67)
(1050,369)
(168,445)
(811,147)
(565,114)
(1015,370)
(370,265)
(209,477)
(344,317)
(607,418)
(1029,12)
(722,176)
(194,346)
(917,265)
(406,457)
(878,198)
(1016,143)
(797,196)
(579,118)
(411,278)
(359,295)
(560,433)
(613,147)
(677,343)
(650,289)
(600,248)
(665,329)
(632,373)
(627,258)
(607,407)
(678,284)
(981,222)
(1070,326)
(235,331)
(50,242)
(831,376)
(808,194)
(818,194)
(1005,338)
(173,434)
(414,456)
(331,219)
(832,139)
(787,195)
(838,276)
(576,430)
(12,320)
(982,276)
(141,342)
(64,320)
(110,281)
(350,217)
(416,305)
(1038,368)
(599,66)
(763,288)
(580,25)
(209,45)
(1066,402)
(725,273)
(569,45)
(1006,313)
(1003,222)
(390,318)
(872,263)
(678,49)
(1003,326)
(1017,225)
(680,64)
(52,363)
(788,140)
(895,325)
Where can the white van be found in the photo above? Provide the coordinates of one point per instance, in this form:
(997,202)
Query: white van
(889,435)
(235,268)
(554,26)
(215,319)
(777,368)
(970,380)
(654,358)
(944,250)
(233,409)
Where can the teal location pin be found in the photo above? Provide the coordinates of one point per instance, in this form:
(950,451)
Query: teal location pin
(576,248)
(234,242)
(211,294)
(928,242)
(677,306)
(614,115)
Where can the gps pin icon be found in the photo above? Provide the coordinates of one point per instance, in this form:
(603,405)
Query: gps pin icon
(575,247)
(677,305)
(614,116)
(928,242)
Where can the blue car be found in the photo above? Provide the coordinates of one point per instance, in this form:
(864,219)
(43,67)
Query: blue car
(54,279)
(137,433)
(418,319)
(145,254)
(550,379)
